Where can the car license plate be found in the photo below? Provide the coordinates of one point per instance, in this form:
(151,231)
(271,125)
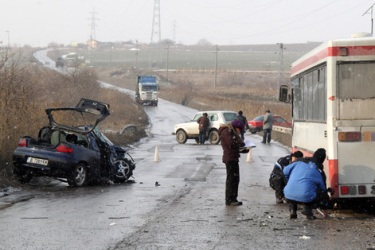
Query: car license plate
(37,161)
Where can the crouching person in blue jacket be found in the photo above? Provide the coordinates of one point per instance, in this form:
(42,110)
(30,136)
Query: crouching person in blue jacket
(305,184)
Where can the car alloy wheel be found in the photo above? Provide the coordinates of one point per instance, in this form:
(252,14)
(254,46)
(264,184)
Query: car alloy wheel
(122,170)
(79,176)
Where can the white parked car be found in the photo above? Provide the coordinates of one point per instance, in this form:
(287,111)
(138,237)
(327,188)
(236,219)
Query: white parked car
(189,130)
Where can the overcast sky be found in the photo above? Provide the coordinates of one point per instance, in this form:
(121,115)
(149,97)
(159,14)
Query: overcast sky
(222,22)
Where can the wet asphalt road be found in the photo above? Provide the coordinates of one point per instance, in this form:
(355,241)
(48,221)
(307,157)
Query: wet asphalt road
(185,210)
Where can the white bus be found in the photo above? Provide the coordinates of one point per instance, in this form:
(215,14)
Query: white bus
(333,104)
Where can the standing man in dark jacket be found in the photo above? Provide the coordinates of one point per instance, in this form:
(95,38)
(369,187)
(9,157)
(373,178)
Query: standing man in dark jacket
(267,127)
(243,119)
(277,179)
(232,144)
(203,122)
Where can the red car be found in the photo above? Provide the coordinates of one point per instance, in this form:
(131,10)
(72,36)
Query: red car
(256,124)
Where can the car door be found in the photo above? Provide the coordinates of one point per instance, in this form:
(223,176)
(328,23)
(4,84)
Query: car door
(193,127)
(214,120)
(90,154)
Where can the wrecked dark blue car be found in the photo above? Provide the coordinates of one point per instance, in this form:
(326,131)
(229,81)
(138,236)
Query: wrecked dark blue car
(74,151)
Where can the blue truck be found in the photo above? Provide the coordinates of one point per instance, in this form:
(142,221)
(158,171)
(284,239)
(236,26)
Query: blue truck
(146,91)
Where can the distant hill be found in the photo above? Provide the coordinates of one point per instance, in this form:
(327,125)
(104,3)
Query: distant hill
(295,47)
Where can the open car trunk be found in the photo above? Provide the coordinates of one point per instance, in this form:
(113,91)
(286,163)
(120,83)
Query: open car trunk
(81,119)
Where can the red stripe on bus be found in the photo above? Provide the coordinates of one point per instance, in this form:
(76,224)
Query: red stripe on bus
(353,50)
(333,178)
(309,61)
(332,52)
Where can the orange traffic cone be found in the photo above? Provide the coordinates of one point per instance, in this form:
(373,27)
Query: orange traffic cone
(249,157)
(156,155)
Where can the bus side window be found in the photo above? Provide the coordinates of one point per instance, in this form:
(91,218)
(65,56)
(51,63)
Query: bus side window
(297,94)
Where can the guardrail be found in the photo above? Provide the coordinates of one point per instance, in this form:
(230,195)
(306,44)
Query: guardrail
(282,135)
(282,130)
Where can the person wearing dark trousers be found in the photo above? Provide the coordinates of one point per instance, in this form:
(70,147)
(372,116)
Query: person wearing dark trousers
(232,145)
(277,179)
(203,123)
(267,127)
(305,184)
(244,121)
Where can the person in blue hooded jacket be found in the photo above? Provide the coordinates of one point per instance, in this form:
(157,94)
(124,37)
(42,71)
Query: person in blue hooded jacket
(305,183)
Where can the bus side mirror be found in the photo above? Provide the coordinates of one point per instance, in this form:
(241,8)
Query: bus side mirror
(283,93)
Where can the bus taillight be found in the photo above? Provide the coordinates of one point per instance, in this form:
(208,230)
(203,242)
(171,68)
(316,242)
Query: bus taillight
(349,136)
(368,136)
(353,190)
(344,190)
(361,189)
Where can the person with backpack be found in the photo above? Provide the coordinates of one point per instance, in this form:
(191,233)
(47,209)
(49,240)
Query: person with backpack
(277,180)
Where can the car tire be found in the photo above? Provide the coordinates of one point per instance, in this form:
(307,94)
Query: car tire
(79,177)
(122,170)
(181,137)
(214,137)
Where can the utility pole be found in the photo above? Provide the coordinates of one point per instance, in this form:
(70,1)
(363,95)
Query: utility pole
(155,60)
(167,61)
(136,54)
(372,19)
(8,39)
(174,31)
(92,39)
(110,55)
(281,64)
(216,54)
(93,25)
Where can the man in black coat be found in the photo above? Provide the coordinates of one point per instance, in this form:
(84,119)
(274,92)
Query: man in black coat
(277,180)
(203,123)
(243,119)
